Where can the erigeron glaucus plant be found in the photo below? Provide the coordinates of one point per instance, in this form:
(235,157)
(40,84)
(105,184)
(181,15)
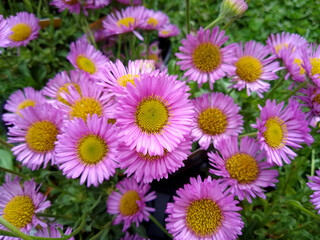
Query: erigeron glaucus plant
(105,134)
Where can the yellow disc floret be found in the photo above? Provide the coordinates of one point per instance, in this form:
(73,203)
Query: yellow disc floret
(84,106)
(24,104)
(299,61)
(123,80)
(152,21)
(317,98)
(242,167)
(128,204)
(64,88)
(147,157)
(70,2)
(281,46)
(206,57)
(212,121)
(85,64)
(91,149)
(19,211)
(203,217)
(315,62)
(249,68)
(152,115)
(41,136)
(126,22)
(276,133)
(21,32)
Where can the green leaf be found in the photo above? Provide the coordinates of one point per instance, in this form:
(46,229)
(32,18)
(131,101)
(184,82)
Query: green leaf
(6,159)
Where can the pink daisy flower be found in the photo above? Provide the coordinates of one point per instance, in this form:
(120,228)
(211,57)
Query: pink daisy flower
(73,6)
(311,99)
(203,57)
(128,236)
(146,168)
(217,116)
(36,132)
(60,83)
(169,30)
(96,4)
(84,56)
(281,129)
(5,31)
(253,68)
(314,184)
(277,42)
(21,99)
(20,204)
(242,169)
(87,149)
(128,2)
(86,99)
(154,20)
(53,232)
(129,202)
(116,76)
(311,62)
(25,27)
(155,115)
(204,210)
(125,21)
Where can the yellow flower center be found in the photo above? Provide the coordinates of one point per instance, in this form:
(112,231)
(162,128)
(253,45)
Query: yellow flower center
(299,61)
(315,62)
(276,133)
(19,211)
(317,98)
(128,204)
(152,21)
(147,157)
(85,64)
(212,121)
(70,2)
(123,80)
(206,57)
(84,106)
(204,217)
(126,22)
(41,136)
(281,46)
(21,32)
(152,115)
(243,168)
(249,68)
(164,32)
(24,104)
(64,88)
(91,149)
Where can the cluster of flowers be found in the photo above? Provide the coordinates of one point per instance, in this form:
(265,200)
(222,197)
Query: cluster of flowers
(104,115)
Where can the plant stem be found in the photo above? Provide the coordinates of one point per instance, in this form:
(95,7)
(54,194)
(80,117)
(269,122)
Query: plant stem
(188,15)
(214,22)
(312,162)
(230,91)
(301,85)
(14,229)
(54,216)
(14,172)
(252,134)
(4,143)
(155,221)
(119,46)
(278,84)
(298,205)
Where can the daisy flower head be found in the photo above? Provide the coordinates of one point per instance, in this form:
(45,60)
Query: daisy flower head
(20,204)
(146,168)
(280,129)
(311,99)
(233,8)
(24,27)
(283,40)
(204,58)
(128,236)
(5,31)
(126,20)
(21,99)
(83,56)
(87,148)
(311,62)
(53,232)
(155,115)
(168,30)
(254,68)
(85,98)
(154,20)
(216,117)
(36,132)
(96,4)
(116,76)
(128,2)
(129,202)
(60,83)
(242,168)
(73,6)
(314,184)
(204,210)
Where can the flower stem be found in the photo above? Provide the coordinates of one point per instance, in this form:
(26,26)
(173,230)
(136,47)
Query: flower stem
(4,143)
(214,22)
(14,172)
(252,134)
(119,46)
(312,162)
(301,85)
(14,230)
(188,15)
(298,205)
(155,221)
(54,216)
(276,86)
